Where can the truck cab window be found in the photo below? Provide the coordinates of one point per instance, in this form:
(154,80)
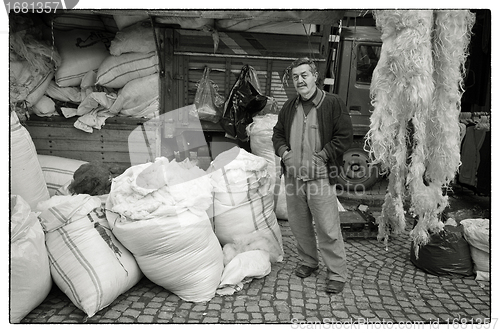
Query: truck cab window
(367,58)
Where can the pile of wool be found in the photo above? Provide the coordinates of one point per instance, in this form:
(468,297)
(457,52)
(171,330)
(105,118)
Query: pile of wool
(414,132)
(37,56)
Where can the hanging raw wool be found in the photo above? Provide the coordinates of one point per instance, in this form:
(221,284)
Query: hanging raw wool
(452,31)
(414,132)
(401,91)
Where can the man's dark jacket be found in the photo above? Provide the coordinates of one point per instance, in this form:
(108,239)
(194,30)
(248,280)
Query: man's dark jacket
(335,129)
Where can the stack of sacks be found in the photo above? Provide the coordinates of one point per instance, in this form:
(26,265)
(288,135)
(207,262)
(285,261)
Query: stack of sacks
(477,234)
(243,199)
(83,42)
(97,68)
(158,211)
(132,67)
(87,263)
(30,280)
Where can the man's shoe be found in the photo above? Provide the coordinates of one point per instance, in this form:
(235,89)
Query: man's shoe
(304,271)
(334,287)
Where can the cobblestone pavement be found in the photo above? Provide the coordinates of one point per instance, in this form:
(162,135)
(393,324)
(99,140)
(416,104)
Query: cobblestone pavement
(383,286)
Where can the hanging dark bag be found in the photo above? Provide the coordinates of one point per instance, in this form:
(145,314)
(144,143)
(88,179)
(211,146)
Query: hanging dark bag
(245,100)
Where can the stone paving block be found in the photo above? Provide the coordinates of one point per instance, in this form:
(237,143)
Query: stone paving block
(155,305)
(297,302)
(363,305)
(125,320)
(132,313)
(151,311)
(228,316)
(374,299)
(210,320)
(112,314)
(165,315)
(270,317)
(179,320)
(471,311)
(138,305)
(282,295)
(195,315)
(340,314)
(145,319)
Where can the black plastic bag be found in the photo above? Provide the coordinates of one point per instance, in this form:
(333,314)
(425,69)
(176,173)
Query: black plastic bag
(244,101)
(447,254)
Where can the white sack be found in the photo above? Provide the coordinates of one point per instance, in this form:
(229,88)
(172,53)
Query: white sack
(138,93)
(477,234)
(243,200)
(250,264)
(45,107)
(117,71)
(135,38)
(81,51)
(58,171)
(87,262)
(123,21)
(64,94)
(158,212)
(30,280)
(26,177)
(260,132)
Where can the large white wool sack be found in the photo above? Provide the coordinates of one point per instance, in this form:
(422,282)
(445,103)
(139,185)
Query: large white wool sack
(30,280)
(477,234)
(136,38)
(137,93)
(26,177)
(117,71)
(243,199)
(81,51)
(158,211)
(87,262)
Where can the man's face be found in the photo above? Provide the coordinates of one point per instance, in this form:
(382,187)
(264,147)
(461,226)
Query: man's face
(304,81)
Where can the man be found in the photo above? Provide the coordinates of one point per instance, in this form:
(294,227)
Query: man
(313,131)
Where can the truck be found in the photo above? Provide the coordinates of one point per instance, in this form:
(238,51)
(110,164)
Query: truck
(188,41)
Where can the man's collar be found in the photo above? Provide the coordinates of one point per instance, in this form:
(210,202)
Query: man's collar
(316,99)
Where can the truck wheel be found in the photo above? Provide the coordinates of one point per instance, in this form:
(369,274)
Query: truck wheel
(357,173)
